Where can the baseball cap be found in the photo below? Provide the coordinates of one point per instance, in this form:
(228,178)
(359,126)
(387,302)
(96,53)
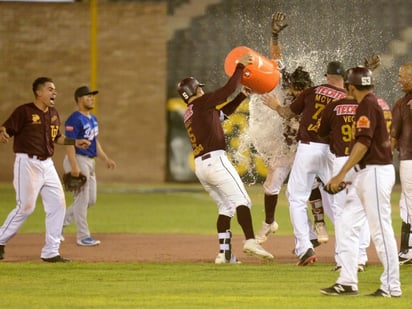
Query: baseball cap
(335,68)
(84,90)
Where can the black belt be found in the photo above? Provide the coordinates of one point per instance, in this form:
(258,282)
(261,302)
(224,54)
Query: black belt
(37,157)
(359,167)
(206,156)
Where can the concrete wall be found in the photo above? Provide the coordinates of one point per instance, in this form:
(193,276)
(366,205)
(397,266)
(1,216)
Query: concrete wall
(54,40)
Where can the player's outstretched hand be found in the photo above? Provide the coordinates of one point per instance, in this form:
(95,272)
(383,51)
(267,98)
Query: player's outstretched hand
(271,101)
(372,62)
(278,22)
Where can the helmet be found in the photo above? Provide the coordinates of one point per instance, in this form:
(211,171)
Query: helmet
(187,87)
(359,76)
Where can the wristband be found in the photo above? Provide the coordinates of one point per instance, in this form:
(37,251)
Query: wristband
(275,38)
(69,141)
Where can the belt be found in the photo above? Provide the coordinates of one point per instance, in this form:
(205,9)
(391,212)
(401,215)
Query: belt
(41,158)
(359,167)
(206,156)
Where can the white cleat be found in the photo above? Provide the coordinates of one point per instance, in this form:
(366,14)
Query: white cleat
(265,231)
(252,247)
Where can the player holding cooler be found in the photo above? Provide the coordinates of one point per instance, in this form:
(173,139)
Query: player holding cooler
(212,167)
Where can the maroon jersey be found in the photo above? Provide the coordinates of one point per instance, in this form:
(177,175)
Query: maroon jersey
(310,105)
(336,123)
(371,123)
(402,126)
(203,120)
(34,131)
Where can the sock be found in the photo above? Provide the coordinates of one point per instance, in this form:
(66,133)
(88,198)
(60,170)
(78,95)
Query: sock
(245,221)
(270,208)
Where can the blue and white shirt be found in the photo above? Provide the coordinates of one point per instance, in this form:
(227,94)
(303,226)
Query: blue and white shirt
(79,126)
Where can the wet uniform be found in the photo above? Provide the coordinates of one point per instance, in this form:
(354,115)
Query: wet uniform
(34,134)
(312,159)
(374,179)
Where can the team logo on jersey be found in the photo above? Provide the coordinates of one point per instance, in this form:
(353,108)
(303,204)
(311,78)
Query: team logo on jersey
(345,109)
(69,128)
(330,92)
(35,118)
(188,113)
(363,123)
(382,103)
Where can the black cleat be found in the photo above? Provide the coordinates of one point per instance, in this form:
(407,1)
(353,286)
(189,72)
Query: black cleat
(308,258)
(56,259)
(1,252)
(339,290)
(381,293)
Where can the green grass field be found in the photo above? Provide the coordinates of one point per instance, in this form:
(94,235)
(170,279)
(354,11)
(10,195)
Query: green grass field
(176,209)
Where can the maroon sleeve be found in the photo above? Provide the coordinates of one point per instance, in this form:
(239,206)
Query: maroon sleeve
(230,108)
(219,96)
(372,131)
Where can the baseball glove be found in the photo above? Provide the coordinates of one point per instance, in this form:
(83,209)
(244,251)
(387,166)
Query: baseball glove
(72,183)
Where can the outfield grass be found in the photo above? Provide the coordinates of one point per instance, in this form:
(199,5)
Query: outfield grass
(185,209)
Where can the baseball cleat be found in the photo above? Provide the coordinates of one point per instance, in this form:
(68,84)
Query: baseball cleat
(1,252)
(221,259)
(252,247)
(308,258)
(382,293)
(56,259)
(88,242)
(339,290)
(405,261)
(266,230)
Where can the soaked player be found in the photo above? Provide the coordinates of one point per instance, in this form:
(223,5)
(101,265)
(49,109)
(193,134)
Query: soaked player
(371,158)
(313,158)
(278,170)
(212,167)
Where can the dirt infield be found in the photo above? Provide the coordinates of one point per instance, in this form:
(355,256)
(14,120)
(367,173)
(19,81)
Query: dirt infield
(159,248)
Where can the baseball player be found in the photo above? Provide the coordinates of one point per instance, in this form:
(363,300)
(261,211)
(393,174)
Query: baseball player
(83,124)
(336,125)
(36,128)
(313,158)
(212,167)
(401,139)
(278,170)
(371,158)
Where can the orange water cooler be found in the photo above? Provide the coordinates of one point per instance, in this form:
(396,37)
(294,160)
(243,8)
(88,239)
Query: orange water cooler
(261,76)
